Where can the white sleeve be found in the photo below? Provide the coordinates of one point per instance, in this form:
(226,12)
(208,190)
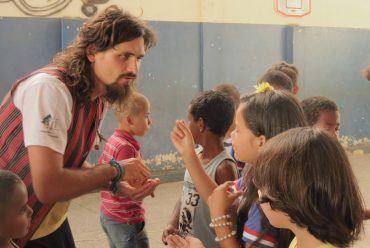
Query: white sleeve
(46,106)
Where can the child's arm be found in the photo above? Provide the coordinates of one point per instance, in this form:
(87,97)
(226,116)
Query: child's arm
(183,141)
(219,205)
(173,224)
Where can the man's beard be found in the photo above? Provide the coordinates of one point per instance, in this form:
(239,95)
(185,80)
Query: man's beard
(116,93)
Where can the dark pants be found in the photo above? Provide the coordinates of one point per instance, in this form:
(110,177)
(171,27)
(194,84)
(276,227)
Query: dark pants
(61,238)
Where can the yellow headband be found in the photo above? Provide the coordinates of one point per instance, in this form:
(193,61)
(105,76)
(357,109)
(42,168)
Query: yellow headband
(263,87)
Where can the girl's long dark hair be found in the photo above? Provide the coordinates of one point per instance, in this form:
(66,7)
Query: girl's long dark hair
(283,236)
(307,174)
(268,114)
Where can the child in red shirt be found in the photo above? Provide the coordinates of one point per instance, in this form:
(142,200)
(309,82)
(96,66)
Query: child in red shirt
(122,218)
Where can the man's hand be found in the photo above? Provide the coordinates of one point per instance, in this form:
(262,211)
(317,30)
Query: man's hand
(135,169)
(137,192)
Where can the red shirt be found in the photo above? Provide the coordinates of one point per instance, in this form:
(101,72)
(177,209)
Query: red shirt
(121,145)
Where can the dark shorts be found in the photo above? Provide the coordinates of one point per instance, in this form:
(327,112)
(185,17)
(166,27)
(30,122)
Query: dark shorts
(61,238)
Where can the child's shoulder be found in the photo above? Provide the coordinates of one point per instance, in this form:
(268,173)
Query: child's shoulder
(118,144)
(226,168)
(226,165)
(224,158)
(121,138)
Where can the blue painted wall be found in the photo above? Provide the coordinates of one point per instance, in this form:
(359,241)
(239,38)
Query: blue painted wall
(331,61)
(240,53)
(26,44)
(190,57)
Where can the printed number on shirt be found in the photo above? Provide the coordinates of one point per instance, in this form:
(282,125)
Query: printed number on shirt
(193,199)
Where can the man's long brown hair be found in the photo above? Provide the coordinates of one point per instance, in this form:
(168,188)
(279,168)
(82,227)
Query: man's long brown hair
(113,26)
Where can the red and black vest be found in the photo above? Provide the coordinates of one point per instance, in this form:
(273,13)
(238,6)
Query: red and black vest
(13,153)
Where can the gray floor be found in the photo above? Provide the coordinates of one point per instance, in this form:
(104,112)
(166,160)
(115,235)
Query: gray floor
(84,211)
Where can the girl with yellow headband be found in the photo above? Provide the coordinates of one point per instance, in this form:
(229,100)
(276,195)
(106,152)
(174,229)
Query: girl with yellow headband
(259,117)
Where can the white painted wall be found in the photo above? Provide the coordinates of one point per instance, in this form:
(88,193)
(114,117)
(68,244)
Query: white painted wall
(324,13)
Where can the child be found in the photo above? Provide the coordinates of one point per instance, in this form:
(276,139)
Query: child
(259,117)
(306,184)
(210,116)
(233,92)
(321,112)
(122,218)
(15,214)
(277,79)
(289,69)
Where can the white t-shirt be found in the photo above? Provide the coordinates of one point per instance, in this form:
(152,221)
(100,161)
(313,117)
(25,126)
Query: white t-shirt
(46,106)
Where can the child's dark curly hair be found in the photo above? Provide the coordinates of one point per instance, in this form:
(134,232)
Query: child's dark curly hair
(216,109)
(313,105)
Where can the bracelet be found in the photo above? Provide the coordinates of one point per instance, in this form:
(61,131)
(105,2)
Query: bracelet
(217,239)
(220,224)
(117,179)
(223,217)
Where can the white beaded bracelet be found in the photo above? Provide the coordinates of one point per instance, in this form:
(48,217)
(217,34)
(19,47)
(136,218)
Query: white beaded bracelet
(220,224)
(217,239)
(226,216)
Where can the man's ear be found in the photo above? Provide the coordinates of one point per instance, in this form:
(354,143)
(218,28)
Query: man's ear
(201,125)
(90,51)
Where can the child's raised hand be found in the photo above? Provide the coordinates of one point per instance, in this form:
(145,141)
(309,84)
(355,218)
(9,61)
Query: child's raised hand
(221,199)
(182,138)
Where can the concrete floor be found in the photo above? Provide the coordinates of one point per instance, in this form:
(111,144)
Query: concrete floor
(84,211)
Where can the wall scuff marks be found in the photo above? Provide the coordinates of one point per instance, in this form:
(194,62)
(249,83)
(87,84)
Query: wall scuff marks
(51,7)
(166,161)
(355,146)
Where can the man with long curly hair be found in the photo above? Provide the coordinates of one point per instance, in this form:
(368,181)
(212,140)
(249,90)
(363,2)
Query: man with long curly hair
(49,121)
